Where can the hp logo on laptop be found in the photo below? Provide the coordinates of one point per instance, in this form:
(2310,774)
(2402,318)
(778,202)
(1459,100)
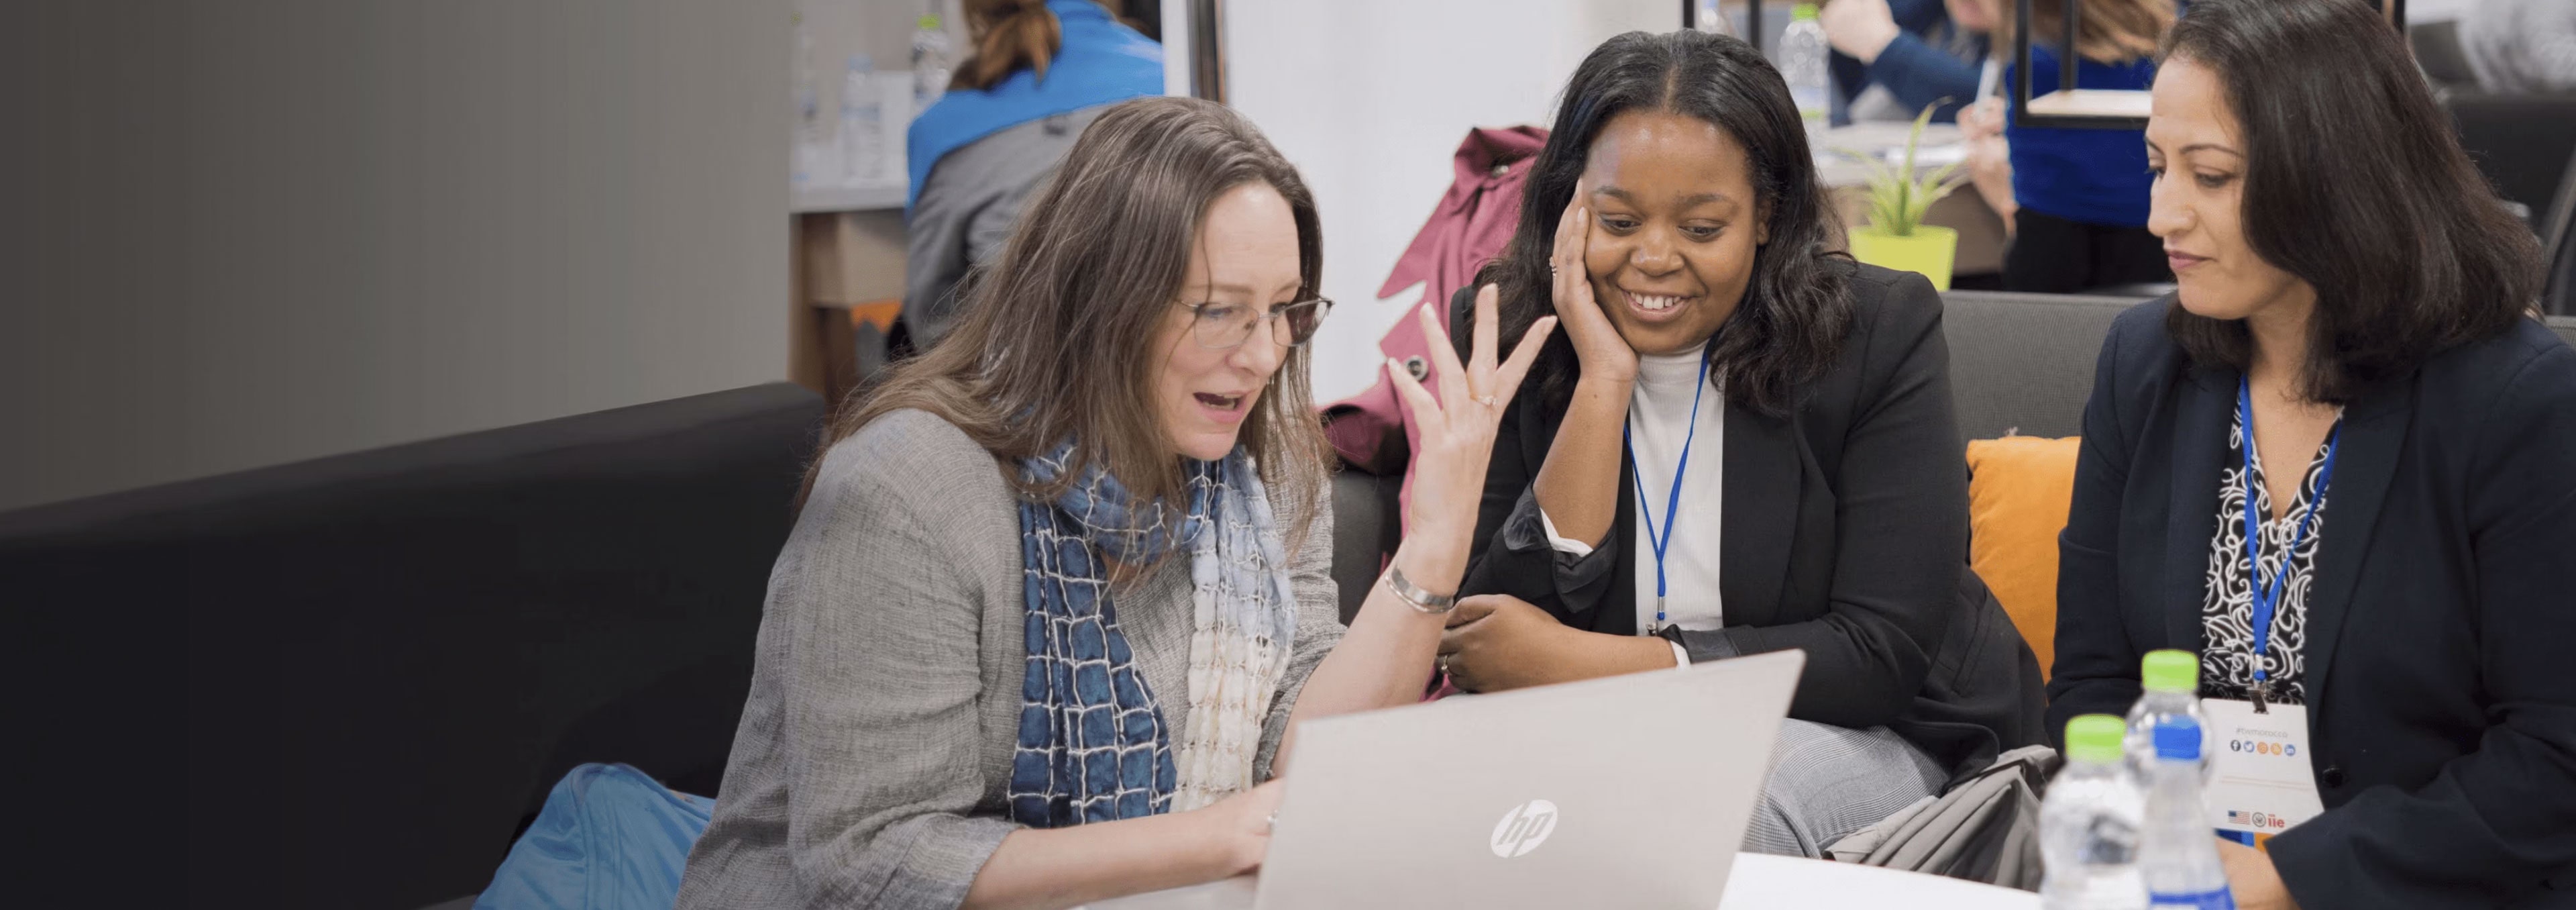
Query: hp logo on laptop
(1524,828)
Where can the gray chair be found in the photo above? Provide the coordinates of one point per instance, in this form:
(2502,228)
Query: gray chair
(2558,236)
(2559,299)
(2520,142)
(2024,362)
(2438,52)
(1367,524)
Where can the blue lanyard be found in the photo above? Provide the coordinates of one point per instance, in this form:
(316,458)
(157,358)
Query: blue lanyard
(2267,597)
(1673,500)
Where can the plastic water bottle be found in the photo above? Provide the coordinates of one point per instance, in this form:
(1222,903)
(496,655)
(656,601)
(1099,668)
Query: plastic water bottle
(2089,824)
(2172,683)
(1710,17)
(862,122)
(929,61)
(2179,855)
(1803,60)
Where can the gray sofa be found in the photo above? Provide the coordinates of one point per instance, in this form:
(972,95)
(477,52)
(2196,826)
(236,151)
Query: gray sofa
(2026,360)
(2018,363)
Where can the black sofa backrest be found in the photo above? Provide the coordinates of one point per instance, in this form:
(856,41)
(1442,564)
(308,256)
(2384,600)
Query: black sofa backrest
(344,683)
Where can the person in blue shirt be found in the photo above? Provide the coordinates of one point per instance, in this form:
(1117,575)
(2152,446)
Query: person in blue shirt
(1893,58)
(1043,70)
(2078,206)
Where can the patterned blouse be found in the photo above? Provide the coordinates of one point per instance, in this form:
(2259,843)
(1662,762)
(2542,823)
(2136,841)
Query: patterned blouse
(2227,610)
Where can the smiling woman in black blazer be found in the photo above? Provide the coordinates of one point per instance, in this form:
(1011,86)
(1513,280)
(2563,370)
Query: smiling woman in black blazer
(1787,412)
(2346,273)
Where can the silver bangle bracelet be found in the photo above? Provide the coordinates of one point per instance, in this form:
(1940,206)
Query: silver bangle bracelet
(1414,596)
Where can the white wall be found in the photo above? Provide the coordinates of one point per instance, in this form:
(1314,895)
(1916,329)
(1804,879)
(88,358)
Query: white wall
(1370,98)
(250,232)
(882,29)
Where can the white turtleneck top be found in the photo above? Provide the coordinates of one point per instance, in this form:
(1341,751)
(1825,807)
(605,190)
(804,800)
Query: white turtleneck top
(1659,420)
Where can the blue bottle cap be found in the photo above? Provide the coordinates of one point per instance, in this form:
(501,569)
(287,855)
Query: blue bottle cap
(2178,738)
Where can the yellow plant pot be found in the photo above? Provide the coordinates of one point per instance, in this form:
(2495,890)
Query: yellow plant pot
(1929,251)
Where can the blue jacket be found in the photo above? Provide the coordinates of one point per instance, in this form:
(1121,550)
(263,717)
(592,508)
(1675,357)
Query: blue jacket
(1916,71)
(2085,175)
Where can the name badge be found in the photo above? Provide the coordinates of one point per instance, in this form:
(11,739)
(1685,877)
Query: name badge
(2262,780)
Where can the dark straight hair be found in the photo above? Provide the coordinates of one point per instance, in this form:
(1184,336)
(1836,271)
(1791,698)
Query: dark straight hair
(1789,327)
(2354,183)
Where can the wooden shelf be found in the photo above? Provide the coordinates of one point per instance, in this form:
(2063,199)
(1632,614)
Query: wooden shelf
(2093,102)
(846,268)
(855,197)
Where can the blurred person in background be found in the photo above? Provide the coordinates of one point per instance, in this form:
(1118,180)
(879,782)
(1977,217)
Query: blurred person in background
(2078,207)
(1989,161)
(1041,71)
(1893,58)
(2521,46)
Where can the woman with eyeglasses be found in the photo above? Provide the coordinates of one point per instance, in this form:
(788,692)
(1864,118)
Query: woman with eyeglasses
(1742,443)
(1061,586)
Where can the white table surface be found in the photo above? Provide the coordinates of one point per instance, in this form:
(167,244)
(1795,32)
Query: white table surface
(1758,882)
(1939,146)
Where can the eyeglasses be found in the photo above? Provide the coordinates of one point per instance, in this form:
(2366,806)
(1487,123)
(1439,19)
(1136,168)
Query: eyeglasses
(1227,325)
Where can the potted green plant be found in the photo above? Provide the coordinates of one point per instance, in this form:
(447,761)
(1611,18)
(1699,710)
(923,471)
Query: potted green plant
(1895,236)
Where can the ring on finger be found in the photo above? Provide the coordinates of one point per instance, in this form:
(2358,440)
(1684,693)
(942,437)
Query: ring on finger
(1486,400)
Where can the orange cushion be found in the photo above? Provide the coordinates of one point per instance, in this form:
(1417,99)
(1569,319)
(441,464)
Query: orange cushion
(2019,488)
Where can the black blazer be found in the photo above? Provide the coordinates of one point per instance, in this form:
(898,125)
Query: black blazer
(2441,649)
(1844,533)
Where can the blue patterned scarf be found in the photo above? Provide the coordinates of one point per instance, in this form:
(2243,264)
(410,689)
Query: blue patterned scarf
(1093,745)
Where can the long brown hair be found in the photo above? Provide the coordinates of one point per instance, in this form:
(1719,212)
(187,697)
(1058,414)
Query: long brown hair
(1055,341)
(1009,36)
(2106,31)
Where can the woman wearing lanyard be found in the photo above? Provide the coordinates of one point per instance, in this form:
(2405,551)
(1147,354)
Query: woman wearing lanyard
(1740,444)
(2340,467)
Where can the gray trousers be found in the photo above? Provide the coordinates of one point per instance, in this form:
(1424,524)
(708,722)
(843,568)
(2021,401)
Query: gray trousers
(1827,782)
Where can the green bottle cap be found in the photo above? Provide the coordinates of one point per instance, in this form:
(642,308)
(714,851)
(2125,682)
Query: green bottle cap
(2095,738)
(2170,671)
(1802,12)
(927,22)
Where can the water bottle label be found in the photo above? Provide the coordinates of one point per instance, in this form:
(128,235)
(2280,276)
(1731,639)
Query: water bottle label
(2220,899)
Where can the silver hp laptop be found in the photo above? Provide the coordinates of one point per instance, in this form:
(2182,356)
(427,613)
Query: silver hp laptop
(1631,791)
